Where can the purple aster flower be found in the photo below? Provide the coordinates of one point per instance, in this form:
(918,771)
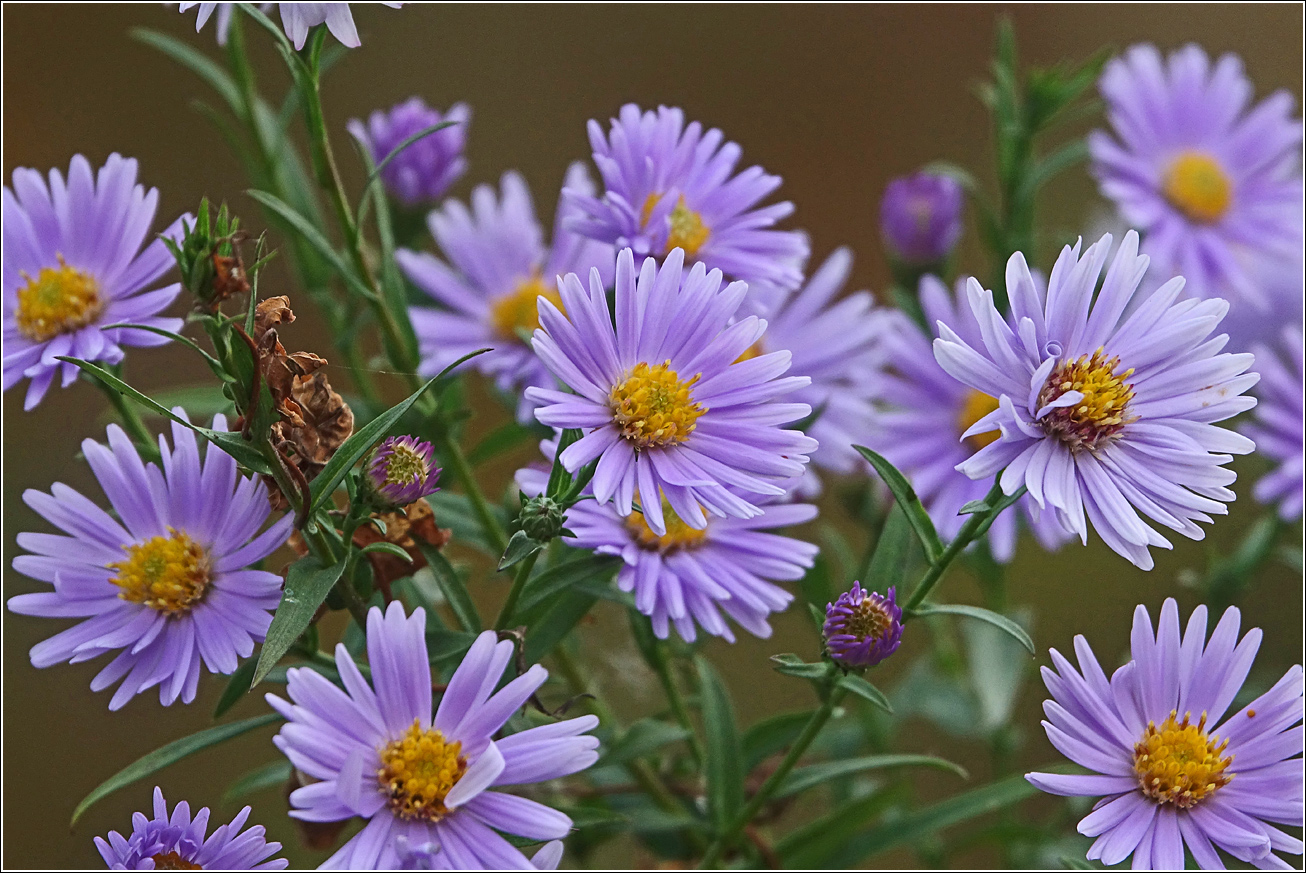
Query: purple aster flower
(666,405)
(835,343)
(920,217)
(1103,412)
(206,11)
(688,577)
(1214,184)
(1277,430)
(1171,770)
(923,413)
(669,186)
(177,842)
(73,264)
(298,18)
(400,470)
(423,171)
(379,754)
(167,580)
(862,628)
(499,266)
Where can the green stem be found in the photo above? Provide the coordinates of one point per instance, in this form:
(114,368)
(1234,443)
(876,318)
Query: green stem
(452,454)
(662,666)
(974,527)
(130,417)
(514,593)
(758,800)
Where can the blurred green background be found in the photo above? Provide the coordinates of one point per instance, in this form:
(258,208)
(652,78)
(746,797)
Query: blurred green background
(837,100)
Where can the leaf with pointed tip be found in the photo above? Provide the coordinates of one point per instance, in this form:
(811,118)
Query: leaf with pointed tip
(272,775)
(859,686)
(724,759)
(813,775)
(520,547)
(977,612)
(910,503)
(452,587)
(792,665)
(642,738)
(307,584)
(241,681)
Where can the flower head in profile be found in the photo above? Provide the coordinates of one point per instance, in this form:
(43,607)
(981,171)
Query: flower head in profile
(298,18)
(668,407)
(1106,404)
(74,265)
(922,413)
(671,186)
(424,170)
(400,470)
(920,218)
(1277,430)
(426,784)
(498,267)
(177,842)
(167,578)
(1213,182)
(1173,769)
(862,628)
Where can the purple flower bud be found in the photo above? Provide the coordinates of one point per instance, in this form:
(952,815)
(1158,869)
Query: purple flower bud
(400,470)
(422,172)
(920,217)
(862,628)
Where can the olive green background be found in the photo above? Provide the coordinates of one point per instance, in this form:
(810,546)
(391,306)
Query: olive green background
(836,99)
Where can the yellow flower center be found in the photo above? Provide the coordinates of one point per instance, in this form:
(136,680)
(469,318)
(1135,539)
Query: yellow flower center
(753,351)
(678,536)
(654,407)
(1198,187)
(418,771)
(687,231)
(169,573)
(59,300)
(1179,763)
(404,466)
(518,312)
(173,861)
(1098,418)
(977,405)
(869,619)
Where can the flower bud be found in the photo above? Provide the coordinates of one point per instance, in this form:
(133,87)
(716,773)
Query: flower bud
(542,518)
(400,471)
(920,218)
(862,628)
(421,173)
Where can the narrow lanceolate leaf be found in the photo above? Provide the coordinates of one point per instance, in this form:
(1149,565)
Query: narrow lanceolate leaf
(725,760)
(548,630)
(452,587)
(520,547)
(315,238)
(996,619)
(642,738)
(910,503)
(888,563)
(821,844)
(859,686)
(771,736)
(168,755)
(237,686)
(792,665)
(197,62)
(567,574)
(307,585)
(274,774)
(813,775)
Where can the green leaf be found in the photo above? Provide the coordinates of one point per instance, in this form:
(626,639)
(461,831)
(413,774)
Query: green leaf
(642,738)
(1073,863)
(816,845)
(307,585)
(977,612)
(315,238)
(551,627)
(271,775)
(237,686)
(910,503)
(214,364)
(168,755)
(813,775)
(199,64)
(564,575)
(724,763)
(772,735)
(520,547)
(389,549)
(451,585)
(454,511)
(792,665)
(888,564)
(859,686)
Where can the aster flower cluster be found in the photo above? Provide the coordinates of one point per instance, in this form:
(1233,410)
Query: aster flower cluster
(734,447)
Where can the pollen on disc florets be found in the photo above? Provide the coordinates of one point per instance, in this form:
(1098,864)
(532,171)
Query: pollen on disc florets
(686,231)
(418,771)
(59,300)
(976,406)
(679,535)
(517,313)
(168,573)
(1099,417)
(654,407)
(1198,186)
(1179,763)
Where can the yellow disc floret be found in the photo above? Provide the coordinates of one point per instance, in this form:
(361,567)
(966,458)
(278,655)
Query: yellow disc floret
(977,405)
(1179,763)
(418,771)
(1101,414)
(1198,186)
(514,313)
(687,230)
(167,573)
(654,407)
(59,300)
(678,536)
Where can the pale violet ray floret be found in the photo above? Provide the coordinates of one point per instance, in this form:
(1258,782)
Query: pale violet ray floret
(665,402)
(298,18)
(168,579)
(76,261)
(178,841)
(424,170)
(1107,404)
(496,266)
(669,185)
(1277,428)
(427,781)
(1174,768)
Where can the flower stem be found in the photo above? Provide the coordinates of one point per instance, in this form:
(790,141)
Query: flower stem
(514,593)
(974,527)
(759,799)
(662,666)
(130,417)
(453,455)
